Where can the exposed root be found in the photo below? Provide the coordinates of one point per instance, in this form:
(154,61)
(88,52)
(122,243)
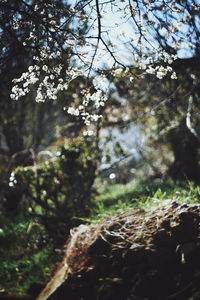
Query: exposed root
(151,255)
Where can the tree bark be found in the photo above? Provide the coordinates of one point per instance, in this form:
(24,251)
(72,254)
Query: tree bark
(185,148)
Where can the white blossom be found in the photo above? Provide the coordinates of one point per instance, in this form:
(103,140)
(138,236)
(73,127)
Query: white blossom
(51,73)
(73,111)
(45,68)
(174,76)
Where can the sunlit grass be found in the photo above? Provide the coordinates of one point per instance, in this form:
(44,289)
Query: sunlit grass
(117,198)
(27,255)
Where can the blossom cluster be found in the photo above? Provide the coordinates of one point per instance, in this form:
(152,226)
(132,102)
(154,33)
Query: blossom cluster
(161,71)
(94,100)
(57,46)
(48,82)
(12,180)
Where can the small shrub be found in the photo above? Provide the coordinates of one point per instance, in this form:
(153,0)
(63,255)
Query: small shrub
(26,254)
(59,190)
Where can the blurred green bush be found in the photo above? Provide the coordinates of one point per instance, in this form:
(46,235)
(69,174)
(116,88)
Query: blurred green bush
(59,190)
(26,254)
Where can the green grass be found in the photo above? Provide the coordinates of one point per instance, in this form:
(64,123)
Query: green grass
(27,255)
(117,198)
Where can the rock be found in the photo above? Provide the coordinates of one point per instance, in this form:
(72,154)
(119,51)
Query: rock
(191,253)
(163,259)
(165,224)
(184,233)
(103,265)
(164,265)
(110,288)
(162,238)
(135,255)
(187,217)
(99,247)
(153,285)
(128,272)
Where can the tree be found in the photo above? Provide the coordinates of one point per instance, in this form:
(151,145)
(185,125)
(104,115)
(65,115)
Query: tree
(24,124)
(158,36)
(151,24)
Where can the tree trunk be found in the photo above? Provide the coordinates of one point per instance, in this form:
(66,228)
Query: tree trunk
(185,148)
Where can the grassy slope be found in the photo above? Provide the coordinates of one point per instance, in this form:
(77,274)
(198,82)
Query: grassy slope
(112,199)
(27,255)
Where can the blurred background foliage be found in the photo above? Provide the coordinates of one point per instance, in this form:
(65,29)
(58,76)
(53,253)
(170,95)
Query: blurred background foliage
(26,254)
(59,190)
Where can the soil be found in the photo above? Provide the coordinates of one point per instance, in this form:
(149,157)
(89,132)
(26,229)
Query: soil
(138,255)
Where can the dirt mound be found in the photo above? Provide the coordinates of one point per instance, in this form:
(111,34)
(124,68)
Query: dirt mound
(138,255)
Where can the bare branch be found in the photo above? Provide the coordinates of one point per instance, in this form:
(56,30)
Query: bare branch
(98,37)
